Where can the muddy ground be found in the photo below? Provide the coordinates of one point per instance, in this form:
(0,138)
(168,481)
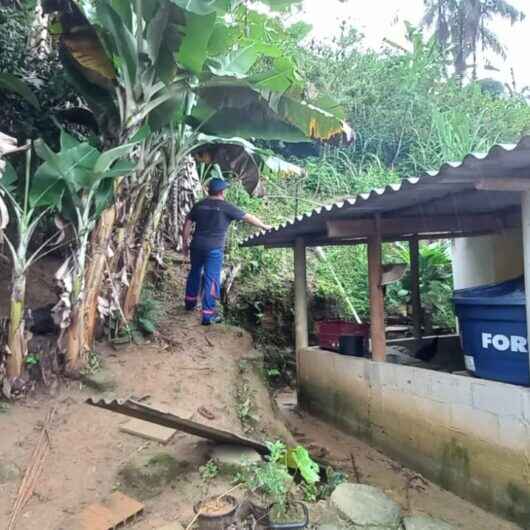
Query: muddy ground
(212,368)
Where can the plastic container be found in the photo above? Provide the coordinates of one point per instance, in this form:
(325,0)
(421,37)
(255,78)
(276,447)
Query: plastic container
(330,331)
(352,345)
(493,331)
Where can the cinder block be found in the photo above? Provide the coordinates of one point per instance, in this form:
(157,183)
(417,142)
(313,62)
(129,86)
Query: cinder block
(477,423)
(387,374)
(514,434)
(372,374)
(439,413)
(357,367)
(504,400)
(448,388)
(405,379)
(422,382)
(526,406)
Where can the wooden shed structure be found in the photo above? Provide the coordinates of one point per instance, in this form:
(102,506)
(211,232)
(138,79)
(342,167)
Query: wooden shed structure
(485,193)
(469,435)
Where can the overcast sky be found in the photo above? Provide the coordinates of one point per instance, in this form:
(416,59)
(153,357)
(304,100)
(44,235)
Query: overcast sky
(384,18)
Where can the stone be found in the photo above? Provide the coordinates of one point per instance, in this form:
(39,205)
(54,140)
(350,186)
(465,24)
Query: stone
(101,381)
(420,522)
(231,458)
(8,472)
(148,474)
(366,507)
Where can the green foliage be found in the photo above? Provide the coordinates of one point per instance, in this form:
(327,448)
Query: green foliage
(209,471)
(275,477)
(436,286)
(409,118)
(148,312)
(31,360)
(43,81)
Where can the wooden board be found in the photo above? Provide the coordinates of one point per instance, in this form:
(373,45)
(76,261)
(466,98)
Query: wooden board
(118,511)
(148,430)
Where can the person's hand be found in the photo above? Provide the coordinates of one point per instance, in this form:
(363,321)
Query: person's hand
(185,250)
(267,227)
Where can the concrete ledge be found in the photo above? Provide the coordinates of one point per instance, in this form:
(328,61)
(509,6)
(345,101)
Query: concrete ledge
(471,436)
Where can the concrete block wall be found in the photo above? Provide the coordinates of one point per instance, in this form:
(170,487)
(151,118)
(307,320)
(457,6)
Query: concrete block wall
(472,436)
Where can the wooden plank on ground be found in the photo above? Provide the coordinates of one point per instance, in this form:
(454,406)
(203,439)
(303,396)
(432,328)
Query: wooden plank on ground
(148,430)
(116,512)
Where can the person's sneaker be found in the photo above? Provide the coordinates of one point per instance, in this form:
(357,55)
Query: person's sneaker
(210,321)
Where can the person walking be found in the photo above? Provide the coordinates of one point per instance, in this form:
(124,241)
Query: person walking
(212,217)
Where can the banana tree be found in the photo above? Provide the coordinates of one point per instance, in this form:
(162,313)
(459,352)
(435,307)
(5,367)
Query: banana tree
(79,182)
(27,219)
(177,68)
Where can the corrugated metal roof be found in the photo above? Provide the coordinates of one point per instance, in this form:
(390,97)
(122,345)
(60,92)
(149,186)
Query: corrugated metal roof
(450,191)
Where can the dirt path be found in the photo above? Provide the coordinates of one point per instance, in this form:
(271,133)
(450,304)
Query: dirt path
(202,368)
(416,495)
(88,450)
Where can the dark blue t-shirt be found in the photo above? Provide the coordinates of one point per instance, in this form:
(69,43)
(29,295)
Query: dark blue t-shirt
(212,217)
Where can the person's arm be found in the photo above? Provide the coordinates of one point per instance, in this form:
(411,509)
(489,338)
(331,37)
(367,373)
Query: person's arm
(255,221)
(186,235)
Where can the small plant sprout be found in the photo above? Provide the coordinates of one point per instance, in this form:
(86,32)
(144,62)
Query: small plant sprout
(209,471)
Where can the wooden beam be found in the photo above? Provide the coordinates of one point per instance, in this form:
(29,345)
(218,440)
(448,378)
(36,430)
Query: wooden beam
(414,251)
(525,211)
(507,184)
(360,228)
(324,241)
(300,299)
(377,304)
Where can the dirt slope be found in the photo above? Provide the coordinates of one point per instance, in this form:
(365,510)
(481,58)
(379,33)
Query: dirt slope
(201,369)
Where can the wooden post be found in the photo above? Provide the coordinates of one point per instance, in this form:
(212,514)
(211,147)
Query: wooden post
(414,251)
(525,211)
(377,304)
(300,298)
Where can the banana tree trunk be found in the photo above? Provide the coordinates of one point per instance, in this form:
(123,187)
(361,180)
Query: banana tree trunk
(16,341)
(101,239)
(134,291)
(187,172)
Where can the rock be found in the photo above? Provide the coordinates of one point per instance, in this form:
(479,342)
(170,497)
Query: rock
(102,381)
(368,508)
(231,458)
(8,472)
(420,522)
(147,475)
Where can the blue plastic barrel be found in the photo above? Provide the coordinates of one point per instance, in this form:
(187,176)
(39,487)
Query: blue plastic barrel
(493,331)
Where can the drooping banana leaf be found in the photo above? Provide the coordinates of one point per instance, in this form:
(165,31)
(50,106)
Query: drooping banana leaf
(228,106)
(242,160)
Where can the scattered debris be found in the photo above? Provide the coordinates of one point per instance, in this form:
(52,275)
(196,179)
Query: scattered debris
(148,430)
(204,412)
(118,511)
(167,419)
(356,472)
(33,471)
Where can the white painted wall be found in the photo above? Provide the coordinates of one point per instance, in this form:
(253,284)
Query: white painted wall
(487,259)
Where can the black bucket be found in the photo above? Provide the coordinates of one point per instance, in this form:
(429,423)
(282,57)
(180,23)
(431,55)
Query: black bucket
(351,345)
